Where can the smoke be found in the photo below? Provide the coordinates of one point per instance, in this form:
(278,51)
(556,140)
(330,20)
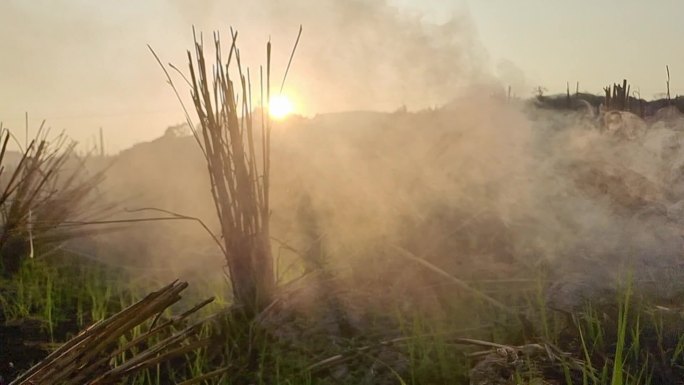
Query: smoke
(83,66)
(354,55)
(484,187)
(478,185)
(512,76)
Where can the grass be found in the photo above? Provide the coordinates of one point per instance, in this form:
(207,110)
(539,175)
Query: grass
(623,344)
(45,198)
(239,169)
(322,327)
(52,291)
(436,334)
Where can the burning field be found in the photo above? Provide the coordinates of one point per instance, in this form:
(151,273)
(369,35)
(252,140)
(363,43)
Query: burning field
(484,239)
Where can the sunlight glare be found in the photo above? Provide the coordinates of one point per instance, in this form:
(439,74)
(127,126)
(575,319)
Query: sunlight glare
(280,106)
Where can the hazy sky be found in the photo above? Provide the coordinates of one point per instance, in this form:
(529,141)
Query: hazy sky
(82,64)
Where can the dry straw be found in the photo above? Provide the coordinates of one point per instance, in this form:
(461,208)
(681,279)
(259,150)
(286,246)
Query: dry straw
(86,358)
(47,188)
(238,162)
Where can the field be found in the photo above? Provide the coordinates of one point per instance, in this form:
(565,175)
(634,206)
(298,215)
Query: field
(490,240)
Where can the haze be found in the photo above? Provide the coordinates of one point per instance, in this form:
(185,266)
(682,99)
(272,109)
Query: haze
(84,64)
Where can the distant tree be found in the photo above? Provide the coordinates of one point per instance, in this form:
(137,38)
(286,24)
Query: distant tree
(177,131)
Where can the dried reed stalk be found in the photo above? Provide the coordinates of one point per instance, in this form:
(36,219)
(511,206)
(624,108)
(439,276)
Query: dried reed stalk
(239,189)
(239,173)
(617,97)
(48,187)
(86,358)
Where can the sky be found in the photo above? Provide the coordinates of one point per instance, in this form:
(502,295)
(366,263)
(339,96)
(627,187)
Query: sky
(84,64)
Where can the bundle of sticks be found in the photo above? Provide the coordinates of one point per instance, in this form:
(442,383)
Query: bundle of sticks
(89,357)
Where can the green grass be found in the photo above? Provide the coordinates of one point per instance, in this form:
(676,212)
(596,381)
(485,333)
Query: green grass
(626,343)
(63,289)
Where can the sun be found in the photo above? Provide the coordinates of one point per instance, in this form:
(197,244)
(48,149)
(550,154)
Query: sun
(280,106)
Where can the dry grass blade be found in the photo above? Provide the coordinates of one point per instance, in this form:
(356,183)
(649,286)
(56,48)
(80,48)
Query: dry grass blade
(157,329)
(208,376)
(460,283)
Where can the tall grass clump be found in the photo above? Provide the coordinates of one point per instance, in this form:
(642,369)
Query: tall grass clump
(43,198)
(238,162)
(240,193)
